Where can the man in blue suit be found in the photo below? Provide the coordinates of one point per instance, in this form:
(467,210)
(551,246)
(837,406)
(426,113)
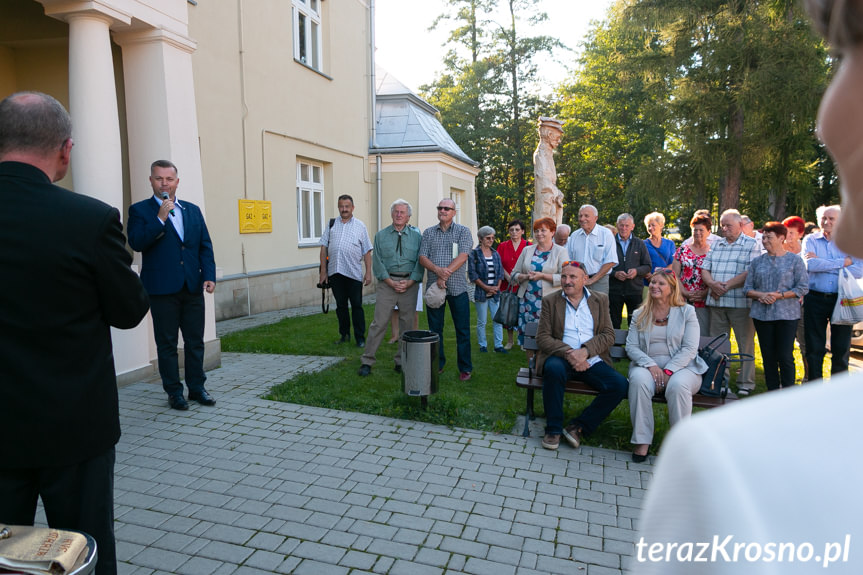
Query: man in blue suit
(178,266)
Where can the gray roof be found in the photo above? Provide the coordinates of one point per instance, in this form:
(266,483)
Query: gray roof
(406,123)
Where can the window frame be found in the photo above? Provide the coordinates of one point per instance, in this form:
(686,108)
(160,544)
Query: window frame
(314,205)
(311,40)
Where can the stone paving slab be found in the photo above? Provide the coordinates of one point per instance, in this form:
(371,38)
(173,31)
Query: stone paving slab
(254,486)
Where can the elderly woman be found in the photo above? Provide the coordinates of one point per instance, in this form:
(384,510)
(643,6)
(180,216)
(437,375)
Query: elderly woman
(687,263)
(509,251)
(537,272)
(661,249)
(794,244)
(776,281)
(485,270)
(663,346)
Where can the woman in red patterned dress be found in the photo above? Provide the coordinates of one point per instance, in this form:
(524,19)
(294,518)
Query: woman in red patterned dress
(688,260)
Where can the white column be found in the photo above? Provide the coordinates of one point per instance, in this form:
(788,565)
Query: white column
(97,163)
(97,167)
(162,124)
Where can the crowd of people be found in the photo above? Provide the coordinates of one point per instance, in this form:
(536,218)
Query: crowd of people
(771,281)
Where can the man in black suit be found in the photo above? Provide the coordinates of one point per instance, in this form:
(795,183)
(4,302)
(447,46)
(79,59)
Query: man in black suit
(178,266)
(66,280)
(626,284)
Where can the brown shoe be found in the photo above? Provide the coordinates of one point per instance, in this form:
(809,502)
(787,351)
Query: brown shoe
(572,435)
(551,441)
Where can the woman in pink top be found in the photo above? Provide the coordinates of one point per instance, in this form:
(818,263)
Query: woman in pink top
(509,252)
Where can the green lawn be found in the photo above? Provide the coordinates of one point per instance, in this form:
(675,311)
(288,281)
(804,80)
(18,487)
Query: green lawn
(490,401)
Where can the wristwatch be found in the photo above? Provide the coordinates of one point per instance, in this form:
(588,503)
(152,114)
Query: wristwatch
(668,372)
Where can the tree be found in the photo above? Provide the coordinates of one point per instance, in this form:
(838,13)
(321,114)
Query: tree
(488,103)
(680,104)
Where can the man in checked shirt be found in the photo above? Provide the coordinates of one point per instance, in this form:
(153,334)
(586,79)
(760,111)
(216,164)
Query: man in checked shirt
(724,273)
(443,253)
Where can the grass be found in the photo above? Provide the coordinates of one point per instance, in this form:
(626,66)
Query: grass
(490,401)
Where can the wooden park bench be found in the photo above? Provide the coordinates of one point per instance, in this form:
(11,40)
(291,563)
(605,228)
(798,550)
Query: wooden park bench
(529,380)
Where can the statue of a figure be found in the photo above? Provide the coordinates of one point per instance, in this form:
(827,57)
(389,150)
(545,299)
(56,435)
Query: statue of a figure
(549,200)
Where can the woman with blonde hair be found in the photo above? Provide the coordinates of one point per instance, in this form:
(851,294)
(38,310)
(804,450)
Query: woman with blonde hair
(661,249)
(662,345)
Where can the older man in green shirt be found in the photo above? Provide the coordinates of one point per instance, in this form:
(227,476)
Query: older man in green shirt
(395,264)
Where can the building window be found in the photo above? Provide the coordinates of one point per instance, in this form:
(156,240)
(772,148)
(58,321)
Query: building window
(307,32)
(456,195)
(310,201)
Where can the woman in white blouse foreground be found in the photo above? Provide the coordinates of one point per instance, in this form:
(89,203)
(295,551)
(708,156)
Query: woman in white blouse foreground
(663,348)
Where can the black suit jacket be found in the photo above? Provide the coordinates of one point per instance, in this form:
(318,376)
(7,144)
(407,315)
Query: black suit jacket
(637,257)
(66,280)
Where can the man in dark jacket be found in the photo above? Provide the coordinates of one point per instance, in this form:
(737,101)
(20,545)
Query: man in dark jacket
(625,285)
(66,281)
(178,266)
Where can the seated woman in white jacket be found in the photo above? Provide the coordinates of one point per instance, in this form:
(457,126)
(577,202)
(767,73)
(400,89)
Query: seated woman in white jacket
(662,345)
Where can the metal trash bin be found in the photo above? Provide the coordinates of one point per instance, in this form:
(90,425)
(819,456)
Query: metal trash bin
(88,562)
(419,362)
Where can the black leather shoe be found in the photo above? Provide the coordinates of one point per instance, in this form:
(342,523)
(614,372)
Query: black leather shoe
(178,402)
(361,343)
(344,339)
(364,370)
(202,397)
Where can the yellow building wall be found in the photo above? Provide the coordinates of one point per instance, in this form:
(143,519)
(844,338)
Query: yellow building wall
(259,111)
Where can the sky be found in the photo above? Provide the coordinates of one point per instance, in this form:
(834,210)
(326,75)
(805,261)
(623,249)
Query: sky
(413,54)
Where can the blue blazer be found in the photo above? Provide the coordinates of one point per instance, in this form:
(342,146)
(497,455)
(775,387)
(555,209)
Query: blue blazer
(169,264)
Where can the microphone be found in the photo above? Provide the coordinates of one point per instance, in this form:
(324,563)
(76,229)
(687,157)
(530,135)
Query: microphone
(165,196)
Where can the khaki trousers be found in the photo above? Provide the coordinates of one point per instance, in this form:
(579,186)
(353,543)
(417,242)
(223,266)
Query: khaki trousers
(386,300)
(725,319)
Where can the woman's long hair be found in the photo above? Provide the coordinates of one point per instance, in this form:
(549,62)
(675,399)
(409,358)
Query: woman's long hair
(645,319)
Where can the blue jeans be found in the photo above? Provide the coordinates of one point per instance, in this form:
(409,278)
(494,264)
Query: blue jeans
(459,310)
(482,309)
(612,387)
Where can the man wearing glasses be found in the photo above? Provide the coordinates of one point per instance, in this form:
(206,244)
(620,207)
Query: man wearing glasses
(443,253)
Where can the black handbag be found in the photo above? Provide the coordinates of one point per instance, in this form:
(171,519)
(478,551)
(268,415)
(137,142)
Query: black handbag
(713,381)
(507,311)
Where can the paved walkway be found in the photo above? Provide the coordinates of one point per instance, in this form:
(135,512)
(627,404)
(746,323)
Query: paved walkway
(252,486)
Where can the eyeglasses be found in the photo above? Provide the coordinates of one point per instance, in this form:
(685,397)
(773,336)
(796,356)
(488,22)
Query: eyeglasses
(665,272)
(445,208)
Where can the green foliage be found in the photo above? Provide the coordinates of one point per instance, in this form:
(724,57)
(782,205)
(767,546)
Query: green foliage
(489,101)
(679,105)
(675,105)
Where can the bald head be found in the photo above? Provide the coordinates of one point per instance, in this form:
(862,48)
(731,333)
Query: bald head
(33,122)
(35,129)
